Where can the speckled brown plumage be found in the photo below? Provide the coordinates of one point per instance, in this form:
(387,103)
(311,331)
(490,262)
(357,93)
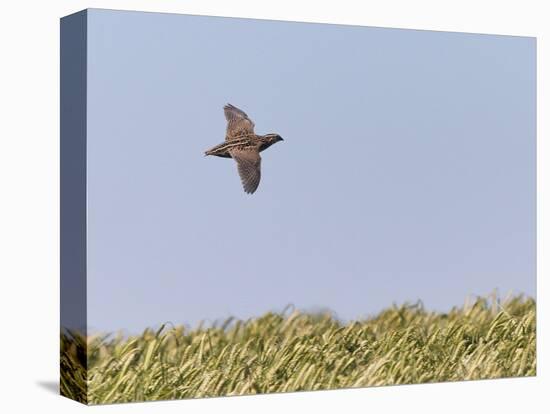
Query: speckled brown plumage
(244,146)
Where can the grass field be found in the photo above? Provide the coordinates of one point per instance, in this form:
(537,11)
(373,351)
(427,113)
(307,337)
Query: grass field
(295,351)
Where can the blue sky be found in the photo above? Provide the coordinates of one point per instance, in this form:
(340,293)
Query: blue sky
(407,170)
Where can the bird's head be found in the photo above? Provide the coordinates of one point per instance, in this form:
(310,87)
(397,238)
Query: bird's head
(268,140)
(274,138)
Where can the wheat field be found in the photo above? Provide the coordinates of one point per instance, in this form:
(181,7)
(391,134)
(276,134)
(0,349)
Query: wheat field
(294,351)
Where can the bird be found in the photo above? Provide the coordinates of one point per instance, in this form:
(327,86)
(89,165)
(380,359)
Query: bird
(244,146)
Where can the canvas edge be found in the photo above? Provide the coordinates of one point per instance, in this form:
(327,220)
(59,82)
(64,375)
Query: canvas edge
(73,211)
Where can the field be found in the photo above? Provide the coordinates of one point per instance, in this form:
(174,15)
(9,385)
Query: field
(295,351)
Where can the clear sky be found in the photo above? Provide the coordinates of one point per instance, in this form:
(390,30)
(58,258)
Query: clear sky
(407,170)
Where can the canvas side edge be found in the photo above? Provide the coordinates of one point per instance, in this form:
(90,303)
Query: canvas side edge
(73,291)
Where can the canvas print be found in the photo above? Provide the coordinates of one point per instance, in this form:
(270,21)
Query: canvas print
(253,206)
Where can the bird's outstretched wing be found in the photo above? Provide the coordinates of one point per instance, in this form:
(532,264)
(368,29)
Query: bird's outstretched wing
(249,167)
(238,123)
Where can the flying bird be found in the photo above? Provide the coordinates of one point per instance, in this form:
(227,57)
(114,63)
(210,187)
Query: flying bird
(244,146)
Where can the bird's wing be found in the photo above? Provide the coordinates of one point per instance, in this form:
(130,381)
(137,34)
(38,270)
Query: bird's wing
(238,123)
(249,167)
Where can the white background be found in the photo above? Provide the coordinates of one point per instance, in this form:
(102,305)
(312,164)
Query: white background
(29,206)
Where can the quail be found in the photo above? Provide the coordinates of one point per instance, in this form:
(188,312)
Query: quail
(244,146)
